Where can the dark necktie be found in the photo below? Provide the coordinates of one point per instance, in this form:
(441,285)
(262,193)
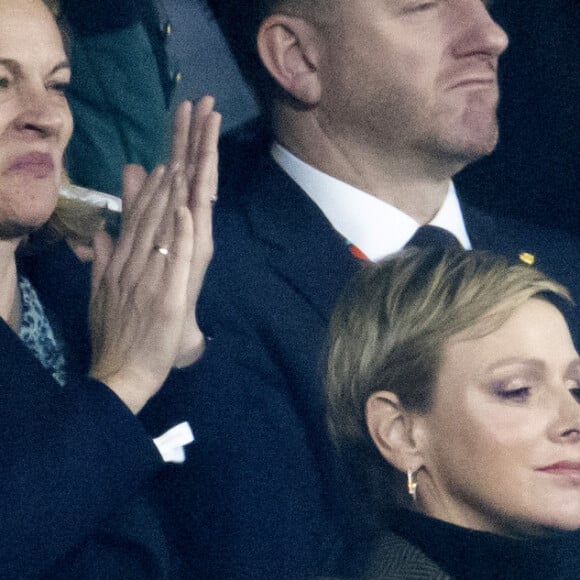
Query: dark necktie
(433,237)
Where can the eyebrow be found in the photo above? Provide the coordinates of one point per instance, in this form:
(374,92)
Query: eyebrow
(14,66)
(533,363)
(517,360)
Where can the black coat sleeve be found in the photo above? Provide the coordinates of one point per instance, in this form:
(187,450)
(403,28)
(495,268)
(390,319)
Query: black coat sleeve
(70,456)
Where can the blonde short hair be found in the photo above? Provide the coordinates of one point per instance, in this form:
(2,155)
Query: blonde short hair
(389,329)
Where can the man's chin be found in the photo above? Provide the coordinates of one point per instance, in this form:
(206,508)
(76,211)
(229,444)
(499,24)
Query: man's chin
(474,143)
(477,150)
(480,129)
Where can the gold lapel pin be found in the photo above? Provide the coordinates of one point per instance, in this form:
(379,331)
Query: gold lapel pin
(527,258)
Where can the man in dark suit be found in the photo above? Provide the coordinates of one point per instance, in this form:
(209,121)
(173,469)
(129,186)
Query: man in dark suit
(370,108)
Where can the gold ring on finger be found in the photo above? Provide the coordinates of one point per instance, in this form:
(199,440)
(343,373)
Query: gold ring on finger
(163,250)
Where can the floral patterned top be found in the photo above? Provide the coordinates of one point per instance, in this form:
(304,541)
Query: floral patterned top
(37,333)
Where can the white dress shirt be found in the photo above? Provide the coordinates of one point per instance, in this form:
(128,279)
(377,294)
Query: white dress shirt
(372,225)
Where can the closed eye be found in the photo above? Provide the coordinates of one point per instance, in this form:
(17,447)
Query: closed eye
(419,6)
(61,88)
(515,395)
(424,6)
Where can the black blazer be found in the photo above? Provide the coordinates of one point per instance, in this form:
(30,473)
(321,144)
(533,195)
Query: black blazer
(262,495)
(70,455)
(394,558)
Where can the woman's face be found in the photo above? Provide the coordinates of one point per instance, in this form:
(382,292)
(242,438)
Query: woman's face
(35,120)
(502,441)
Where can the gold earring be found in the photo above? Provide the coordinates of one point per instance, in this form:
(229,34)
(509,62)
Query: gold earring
(412,483)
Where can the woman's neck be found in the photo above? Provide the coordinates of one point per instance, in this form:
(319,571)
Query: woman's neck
(10,307)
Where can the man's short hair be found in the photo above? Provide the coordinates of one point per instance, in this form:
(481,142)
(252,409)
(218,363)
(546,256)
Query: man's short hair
(388,333)
(53,6)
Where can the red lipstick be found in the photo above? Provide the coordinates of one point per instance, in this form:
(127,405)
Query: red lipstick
(563,468)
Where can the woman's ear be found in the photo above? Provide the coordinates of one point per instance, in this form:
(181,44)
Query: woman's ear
(288,48)
(391,428)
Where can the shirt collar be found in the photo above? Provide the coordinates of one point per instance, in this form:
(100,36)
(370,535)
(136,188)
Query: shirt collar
(372,225)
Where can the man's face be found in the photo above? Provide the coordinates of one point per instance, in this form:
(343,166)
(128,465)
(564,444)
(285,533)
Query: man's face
(414,78)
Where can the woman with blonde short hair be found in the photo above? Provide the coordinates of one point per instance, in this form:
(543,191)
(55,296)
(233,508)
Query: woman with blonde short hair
(453,392)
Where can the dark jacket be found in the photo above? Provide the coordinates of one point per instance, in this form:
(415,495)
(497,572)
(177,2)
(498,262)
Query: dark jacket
(419,547)
(262,495)
(394,558)
(71,456)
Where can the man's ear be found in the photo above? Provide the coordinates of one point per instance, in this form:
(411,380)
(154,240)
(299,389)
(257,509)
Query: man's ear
(288,47)
(392,430)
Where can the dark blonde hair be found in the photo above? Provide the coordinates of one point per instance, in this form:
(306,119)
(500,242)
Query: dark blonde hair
(75,220)
(388,332)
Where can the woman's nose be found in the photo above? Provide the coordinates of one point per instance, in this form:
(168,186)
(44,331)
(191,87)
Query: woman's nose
(567,425)
(42,113)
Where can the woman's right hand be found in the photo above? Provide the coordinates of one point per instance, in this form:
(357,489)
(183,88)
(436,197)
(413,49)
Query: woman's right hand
(139,296)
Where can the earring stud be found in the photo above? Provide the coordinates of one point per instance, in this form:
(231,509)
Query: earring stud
(412,483)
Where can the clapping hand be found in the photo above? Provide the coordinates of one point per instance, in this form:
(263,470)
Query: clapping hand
(145,286)
(195,139)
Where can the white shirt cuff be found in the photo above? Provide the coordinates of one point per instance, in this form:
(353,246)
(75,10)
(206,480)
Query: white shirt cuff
(170,444)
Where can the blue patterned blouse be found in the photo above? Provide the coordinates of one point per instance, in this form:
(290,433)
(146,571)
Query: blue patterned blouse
(37,333)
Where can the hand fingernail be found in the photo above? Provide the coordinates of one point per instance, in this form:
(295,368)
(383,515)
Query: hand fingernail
(159,170)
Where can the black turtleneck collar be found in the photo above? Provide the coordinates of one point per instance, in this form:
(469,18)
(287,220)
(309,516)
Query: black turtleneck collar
(469,554)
